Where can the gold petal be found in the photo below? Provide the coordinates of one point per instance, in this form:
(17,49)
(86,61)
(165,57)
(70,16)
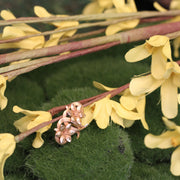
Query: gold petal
(169,101)
(162,141)
(175,162)
(158,64)
(145,84)
(38,141)
(137,54)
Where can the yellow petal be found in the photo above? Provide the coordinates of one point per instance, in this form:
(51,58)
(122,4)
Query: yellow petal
(158,40)
(102,112)
(169,101)
(158,64)
(92,8)
(22,123)
(89,116)
(26,28)
(175,162)
(38,141)
(162,141)
(124,113)
(168,123)
(175,4)
(41,12)
(7,15)
(143,85)
(102,87)
(105,3)
(114,28)
(7,147)
(3,99)
(141,110)
(32,119)
(12,32)
(167,50)
(117,119)
(43,117)
(17,109)
(176,79)
(159,7)
(129,101)
(119,4)
(137,54)
(128,123)
(53,39)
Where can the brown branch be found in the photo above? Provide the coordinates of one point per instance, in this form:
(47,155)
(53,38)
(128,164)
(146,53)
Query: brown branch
(124,37)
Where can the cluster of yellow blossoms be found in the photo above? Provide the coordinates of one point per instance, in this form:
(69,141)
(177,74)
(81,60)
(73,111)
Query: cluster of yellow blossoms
(113,6)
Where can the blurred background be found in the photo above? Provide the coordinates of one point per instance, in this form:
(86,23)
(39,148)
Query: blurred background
(25,7)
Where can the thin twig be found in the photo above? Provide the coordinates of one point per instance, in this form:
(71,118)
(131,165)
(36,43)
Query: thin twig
(90,17)
(123,37)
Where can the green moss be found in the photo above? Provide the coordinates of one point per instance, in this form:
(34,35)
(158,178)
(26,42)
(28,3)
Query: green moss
(107,67)
(97,154)
(148,172)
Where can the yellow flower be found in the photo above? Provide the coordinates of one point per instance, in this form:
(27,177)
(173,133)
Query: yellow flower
(105,108)
(19,30)
(7,147)
(175,4)
(130,103)
(168,85)
(135,104)
(159,47)
(3,99)
(168,139)
(122,7)
(54,38)
(97,6)
(32,119)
